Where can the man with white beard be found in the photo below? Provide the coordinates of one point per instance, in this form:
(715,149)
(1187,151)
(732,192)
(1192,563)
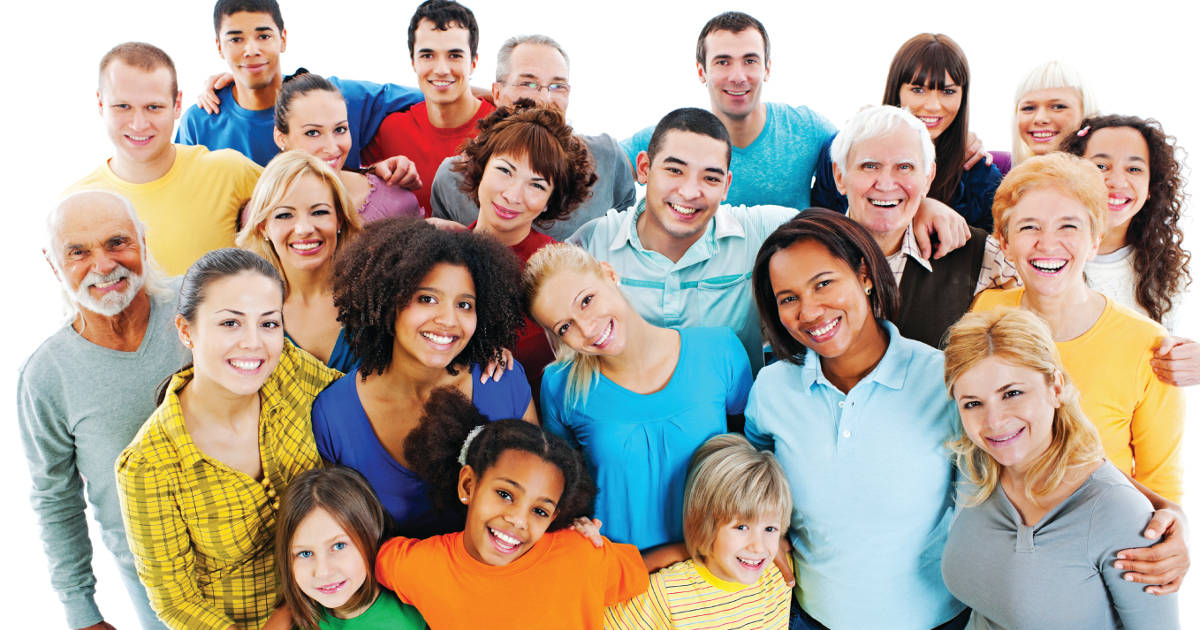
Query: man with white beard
(87,389)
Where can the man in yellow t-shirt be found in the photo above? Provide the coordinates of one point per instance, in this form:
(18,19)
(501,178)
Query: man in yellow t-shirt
(188,197)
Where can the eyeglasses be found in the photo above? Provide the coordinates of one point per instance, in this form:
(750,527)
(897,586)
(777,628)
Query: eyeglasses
(534,86)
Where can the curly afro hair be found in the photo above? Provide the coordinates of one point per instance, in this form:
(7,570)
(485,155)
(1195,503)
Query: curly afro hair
(432,450)
(1159,258)
(542,136)
(374,278)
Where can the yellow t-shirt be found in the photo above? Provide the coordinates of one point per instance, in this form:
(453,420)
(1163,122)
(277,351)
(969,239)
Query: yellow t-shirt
(191,210)
(1139,417)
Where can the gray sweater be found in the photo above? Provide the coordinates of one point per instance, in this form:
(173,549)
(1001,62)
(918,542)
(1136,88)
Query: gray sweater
(613,189)
(1058,573)
(78,405)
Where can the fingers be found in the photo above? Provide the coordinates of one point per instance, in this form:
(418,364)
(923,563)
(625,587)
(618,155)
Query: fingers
(975,152)
(1177,362)
(506,364)
(409,178)
(924,243)
(221,80)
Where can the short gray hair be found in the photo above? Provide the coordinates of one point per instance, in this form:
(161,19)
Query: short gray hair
(154,280)
(874,121)
(504,57)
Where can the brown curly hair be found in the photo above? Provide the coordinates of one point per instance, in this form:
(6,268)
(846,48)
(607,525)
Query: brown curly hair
(1159,259)
(375,277)
(542,136)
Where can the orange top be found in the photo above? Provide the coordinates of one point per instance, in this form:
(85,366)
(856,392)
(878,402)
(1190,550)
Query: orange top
(562,582)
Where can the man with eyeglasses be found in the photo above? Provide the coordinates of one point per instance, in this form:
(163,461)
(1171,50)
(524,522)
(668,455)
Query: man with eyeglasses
(536,67)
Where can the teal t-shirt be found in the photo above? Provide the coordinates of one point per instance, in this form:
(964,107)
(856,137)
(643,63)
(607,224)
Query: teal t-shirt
(387,613)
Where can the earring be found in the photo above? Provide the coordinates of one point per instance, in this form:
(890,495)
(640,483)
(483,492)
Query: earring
(463,499)
(868,290)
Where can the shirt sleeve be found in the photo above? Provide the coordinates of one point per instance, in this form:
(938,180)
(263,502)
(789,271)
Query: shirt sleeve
(637,143)
(978,189)
(738,379)
(57,499)
(390,567)
(374,101)
(1117,519)
(162,546)
(552,397)
(624,571)
(186,134)
(1156,435)
(322,423)
(755,434)
(447,201)
(624,190)
(824,191)
(648,611)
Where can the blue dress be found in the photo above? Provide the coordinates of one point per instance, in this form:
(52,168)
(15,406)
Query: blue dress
(340,358)
(345,436)
(638,446)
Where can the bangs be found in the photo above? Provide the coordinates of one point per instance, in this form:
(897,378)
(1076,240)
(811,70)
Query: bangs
(536,145)
(936,61)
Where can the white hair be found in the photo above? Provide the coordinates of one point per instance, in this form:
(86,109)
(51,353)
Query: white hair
(874,121)
(504,57)
(1050,75)
(152,279)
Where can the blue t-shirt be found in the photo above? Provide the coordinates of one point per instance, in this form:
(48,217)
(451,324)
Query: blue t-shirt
(777,168)
(972,199)
(340,358)
(252,131)
(638,446)
(345,436)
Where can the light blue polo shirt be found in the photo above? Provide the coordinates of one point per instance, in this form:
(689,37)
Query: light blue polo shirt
(872,485)
(709,286)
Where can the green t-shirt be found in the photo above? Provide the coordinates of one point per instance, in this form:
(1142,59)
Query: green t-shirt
(387,613)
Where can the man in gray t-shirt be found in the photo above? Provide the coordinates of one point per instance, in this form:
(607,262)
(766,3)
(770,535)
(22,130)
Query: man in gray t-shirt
(86,390)
(535,67)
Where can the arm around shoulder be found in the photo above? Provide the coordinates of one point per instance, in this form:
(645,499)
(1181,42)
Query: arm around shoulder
(1116,522)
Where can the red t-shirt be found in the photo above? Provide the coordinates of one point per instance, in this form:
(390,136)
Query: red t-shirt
(562,582)
(409,133)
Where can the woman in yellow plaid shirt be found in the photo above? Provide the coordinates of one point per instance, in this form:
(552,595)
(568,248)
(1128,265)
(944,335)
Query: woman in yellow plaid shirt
(200,482)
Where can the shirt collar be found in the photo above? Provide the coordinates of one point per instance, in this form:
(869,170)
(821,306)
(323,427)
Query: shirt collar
(908,247)
(890,372)
(724,224)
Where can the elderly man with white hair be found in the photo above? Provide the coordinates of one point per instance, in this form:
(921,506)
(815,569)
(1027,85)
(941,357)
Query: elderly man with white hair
(883,161)
(87,389)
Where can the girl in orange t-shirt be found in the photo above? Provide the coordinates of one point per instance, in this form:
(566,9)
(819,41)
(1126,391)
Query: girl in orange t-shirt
(516,564)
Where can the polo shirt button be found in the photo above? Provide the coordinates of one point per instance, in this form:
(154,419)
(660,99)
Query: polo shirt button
(845,434)
(841,404)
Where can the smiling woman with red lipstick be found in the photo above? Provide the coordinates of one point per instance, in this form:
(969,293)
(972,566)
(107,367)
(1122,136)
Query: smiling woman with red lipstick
(200,482)
(422,308)
(298,218)
(856,414)
(636,398)
(526,166)
(1050,214)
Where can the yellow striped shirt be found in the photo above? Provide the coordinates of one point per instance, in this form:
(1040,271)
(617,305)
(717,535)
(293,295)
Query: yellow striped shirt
(686,595)
(202,534)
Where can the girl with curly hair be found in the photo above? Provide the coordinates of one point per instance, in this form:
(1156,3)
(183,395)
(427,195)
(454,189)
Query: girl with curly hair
(422,308)
(513,561)
(526,166)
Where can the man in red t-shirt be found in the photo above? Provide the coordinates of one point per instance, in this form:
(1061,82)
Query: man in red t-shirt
(443,40)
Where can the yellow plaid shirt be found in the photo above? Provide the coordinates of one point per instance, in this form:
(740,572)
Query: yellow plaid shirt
(202,534)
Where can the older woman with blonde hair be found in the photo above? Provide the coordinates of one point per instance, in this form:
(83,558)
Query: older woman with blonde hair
(1050,214)
(298,218)
(1044,511)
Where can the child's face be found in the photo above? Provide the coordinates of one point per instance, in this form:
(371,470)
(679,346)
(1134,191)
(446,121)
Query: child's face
(743,549)
(510,506)
(328,567)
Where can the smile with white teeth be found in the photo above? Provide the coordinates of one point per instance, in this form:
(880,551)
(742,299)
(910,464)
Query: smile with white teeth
(1004,439)
(1048,265)
(1043,135)
(441,82)
(438,339)
(684,210)
(930,121)
(752,564)
(824,329)
(138,138)
(1116,201)
(604,336)
(107,283)
(330,589)
(884,203)
(507,543)
(737,92)
(307,245)
(246,364)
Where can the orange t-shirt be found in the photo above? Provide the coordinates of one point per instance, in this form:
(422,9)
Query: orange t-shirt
(562,582)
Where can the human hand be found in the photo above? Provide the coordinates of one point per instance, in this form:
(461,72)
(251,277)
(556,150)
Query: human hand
(1176,361)
(975,152)
(934,217)
(206,98)
(590,529)
(448,225)
(398,171)
(1162,565)
(495,369)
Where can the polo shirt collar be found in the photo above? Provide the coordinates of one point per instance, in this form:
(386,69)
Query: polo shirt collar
(891,372)
(724,224)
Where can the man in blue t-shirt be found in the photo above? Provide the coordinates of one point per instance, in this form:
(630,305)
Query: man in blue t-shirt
(250,38)
(775,146)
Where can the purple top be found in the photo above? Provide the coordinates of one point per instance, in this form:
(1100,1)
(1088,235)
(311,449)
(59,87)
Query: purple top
(345,436)
(387,201)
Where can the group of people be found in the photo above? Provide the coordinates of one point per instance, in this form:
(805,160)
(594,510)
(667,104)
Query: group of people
(355,355)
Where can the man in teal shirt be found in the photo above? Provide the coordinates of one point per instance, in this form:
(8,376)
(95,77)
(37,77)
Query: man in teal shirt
(683,258)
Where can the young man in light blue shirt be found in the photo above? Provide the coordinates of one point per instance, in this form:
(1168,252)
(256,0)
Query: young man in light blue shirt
(683,258)
(775,146)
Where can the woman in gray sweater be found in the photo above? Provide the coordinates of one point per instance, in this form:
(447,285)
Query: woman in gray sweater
(1045,513)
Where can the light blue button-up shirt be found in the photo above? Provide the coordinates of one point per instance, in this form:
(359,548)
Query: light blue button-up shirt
(872,485)
(708,286)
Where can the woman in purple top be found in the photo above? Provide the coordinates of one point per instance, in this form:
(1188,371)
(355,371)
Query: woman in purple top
(422,310)
(310,116)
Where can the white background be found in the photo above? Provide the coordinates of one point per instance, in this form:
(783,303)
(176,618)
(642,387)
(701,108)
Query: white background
(631,63)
